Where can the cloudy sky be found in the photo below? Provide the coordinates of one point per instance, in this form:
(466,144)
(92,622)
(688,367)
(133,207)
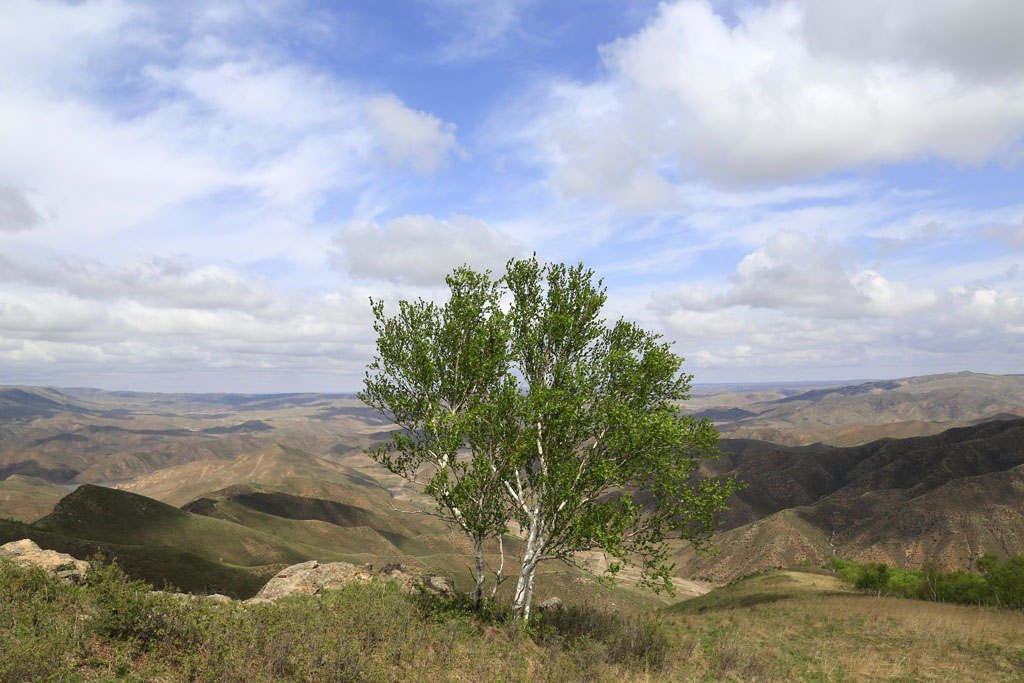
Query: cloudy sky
(203,195)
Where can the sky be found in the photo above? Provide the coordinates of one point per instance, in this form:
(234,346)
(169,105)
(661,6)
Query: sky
(203,195)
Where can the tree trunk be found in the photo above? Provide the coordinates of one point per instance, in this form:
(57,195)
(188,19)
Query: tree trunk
(481,577)
(524,586)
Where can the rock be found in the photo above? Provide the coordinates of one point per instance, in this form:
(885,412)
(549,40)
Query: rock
(25,553)
(313,578)
(214,597)
(550,604)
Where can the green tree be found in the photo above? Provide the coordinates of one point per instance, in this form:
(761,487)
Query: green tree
(600,423)
(569,427)
(1005,579)
(440,374)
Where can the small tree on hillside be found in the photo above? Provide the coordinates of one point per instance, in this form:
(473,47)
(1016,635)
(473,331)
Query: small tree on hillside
(600,421)
(441,375)
(565,419)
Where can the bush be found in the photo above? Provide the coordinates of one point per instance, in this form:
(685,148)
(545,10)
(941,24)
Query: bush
(40,628)
(906,584)
(126,608)
(847,571)
(1006,579)
(631,641)
(998,583)
(873,577)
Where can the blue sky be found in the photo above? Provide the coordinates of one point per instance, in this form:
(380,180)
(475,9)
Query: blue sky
(201,196)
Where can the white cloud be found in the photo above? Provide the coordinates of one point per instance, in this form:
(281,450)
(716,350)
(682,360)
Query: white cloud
(797,303)
(422,250)
(976,40)
(16,210)
(162,281)
(158,316)
(200,118)
(476,29)
(793,272)
(775,98)
(414,137)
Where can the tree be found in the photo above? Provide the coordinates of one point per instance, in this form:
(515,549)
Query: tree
(439,374)
(600,421)
(572,427)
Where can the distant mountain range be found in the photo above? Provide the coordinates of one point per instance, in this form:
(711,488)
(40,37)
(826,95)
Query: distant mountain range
(848,415)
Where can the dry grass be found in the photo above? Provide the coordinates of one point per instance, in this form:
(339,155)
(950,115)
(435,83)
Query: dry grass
(788,626)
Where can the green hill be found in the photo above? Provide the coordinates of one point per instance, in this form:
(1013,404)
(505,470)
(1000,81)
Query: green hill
(156,565)
(98,513)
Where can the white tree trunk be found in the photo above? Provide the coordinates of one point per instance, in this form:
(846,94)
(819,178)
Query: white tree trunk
(481,577)
(524,586)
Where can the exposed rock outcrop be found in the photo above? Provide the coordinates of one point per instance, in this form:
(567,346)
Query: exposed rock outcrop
(312,578)
(25,553)
(551,604)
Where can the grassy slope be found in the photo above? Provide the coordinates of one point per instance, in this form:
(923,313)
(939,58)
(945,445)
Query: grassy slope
(789,625)
(187,571)
(28,498)
(102,514)
(780,626)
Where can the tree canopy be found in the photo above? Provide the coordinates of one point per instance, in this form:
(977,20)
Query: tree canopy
(533,417)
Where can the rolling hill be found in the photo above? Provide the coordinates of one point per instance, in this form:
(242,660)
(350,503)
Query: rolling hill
(94,436)
(290,469)
(850,415)
(26,499)
(948,498)
(98,513)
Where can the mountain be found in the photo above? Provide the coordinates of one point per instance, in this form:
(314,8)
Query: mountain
(289,469)
(947,498)
(850,415)
(94,436)
(155,564)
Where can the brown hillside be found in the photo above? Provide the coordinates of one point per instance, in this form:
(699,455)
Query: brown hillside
(861,413)
(947,498)
(26,499)
(278,465)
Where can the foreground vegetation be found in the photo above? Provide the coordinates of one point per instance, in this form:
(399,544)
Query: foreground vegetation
(778,626)
(117,629)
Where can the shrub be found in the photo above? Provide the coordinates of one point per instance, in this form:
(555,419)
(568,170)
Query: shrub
(126,608)
(873,577)
(906,584)
(964,587)
(632,641)
(1006,579)
(40,629)
(847,571)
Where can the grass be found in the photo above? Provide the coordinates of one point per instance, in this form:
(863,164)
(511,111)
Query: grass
(782,626)
(777,626)
(115,629)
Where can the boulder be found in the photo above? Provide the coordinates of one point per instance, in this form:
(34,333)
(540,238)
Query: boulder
(313,578)
(550,604)
(25,553)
